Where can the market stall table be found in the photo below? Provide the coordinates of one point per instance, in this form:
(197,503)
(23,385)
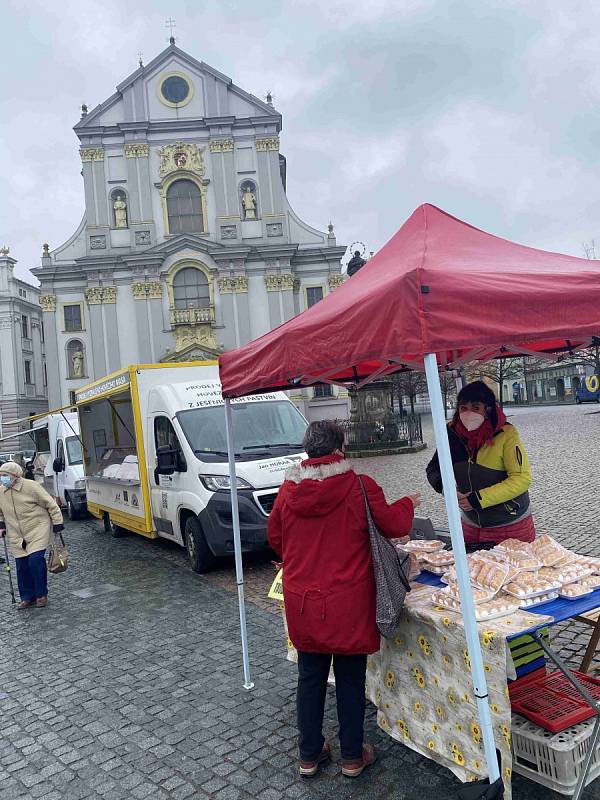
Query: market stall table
(419,680)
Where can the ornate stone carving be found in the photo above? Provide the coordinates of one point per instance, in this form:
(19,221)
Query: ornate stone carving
(297,284)
(48,302)
(221,146)
(334,281)
(120,208)
(154,290)
(98,242)
(279,282)
(181,155)
(228,232)
(274,229)
(109,294)
(138,290)
(92,154)
(192,316)
(94,295)
(240,284)
(185,336)
(142,237)
(136,150)
(268,143)
(225,285)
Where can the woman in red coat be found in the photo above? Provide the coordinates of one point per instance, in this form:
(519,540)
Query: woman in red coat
(318,526)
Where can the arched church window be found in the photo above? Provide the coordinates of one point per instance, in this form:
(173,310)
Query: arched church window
(190,289)
(249,200)
(76,359)
(184,207)
(119,209)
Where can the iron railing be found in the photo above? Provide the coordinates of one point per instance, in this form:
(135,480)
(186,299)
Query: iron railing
(395,430)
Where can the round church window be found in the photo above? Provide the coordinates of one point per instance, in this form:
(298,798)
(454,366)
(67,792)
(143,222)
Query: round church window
(175,89)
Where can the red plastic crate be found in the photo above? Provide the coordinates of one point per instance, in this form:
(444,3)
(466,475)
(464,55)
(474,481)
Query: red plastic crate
(551,710)
(520,686)
(557,682)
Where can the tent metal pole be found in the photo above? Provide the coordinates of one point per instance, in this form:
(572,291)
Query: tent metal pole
(237,544)
(460,558)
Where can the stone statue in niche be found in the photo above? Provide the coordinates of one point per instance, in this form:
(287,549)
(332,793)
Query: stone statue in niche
(249,202)
(355,263)
(120,207)
(77,359)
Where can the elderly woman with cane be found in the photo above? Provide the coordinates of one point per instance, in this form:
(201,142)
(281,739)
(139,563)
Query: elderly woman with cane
(28,516)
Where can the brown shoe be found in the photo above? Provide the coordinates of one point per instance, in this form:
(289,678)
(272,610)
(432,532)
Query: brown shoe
(41,602)
(25,604)
(308,769)
(352,769)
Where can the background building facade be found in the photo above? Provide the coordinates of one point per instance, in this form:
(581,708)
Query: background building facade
(188,245)
(23,376)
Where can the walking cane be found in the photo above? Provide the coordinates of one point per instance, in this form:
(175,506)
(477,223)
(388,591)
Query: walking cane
(8,569)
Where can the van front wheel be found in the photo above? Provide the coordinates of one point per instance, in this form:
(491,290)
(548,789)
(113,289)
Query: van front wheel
(201,558)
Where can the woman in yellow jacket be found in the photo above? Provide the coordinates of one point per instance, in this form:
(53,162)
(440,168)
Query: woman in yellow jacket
(28,516)
(491,470)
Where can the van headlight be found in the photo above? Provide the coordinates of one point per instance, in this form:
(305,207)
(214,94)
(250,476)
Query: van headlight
(215,483)
(80,484)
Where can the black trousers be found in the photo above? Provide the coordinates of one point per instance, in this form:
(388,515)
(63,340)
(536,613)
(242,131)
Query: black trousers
(313,671)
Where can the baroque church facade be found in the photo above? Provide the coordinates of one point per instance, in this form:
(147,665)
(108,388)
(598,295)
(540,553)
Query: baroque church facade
(188,245)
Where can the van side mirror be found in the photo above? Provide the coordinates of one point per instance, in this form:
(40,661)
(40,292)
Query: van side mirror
(167,460)
(58,465)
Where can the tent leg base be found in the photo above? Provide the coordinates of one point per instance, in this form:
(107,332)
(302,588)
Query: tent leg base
(248,686)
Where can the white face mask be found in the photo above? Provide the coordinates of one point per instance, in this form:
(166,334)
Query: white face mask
(6,481)
(471,420)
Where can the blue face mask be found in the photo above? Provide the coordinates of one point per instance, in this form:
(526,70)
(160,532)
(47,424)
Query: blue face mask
(6,481)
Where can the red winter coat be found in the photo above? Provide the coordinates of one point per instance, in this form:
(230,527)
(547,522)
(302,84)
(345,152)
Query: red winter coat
(318,525)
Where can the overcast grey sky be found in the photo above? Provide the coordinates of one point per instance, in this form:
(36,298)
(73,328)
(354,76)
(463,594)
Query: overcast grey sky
(489,109)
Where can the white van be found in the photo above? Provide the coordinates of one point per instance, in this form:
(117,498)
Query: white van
(59,466)
(155,456)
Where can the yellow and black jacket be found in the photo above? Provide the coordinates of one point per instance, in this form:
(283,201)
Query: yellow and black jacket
(496,478)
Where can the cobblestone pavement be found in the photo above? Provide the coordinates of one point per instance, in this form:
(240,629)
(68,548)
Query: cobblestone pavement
(132,689)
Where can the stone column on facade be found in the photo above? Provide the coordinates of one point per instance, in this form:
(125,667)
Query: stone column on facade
(138,290)
(241,308)
(101,191)
(134,211)
(219,179)
(97,364)
(154,291)
(36,341)
(55,368)
(287,295)
(267,153)
(89,192)
(274,299)
(228,334)
(109,310)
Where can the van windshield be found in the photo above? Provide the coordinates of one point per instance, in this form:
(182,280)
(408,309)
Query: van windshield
(74,450)
(260,430)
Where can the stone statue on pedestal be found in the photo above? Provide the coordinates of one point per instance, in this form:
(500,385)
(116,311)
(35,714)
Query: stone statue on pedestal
(249,203)
(120,207)
(355,263)
(77,358)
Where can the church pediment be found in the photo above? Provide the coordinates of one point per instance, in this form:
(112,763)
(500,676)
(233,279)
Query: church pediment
(192,352)
(175,86)
(185,241)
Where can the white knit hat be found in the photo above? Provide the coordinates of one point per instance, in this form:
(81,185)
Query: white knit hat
(11,468)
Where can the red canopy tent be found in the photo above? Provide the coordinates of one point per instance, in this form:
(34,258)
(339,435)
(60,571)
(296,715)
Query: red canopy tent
(440,292)
(438,286)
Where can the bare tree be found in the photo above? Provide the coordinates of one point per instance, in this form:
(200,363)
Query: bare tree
(497,371)
(448,384)
(408,384)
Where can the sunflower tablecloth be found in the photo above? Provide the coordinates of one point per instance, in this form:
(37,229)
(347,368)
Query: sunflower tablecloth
(420,682)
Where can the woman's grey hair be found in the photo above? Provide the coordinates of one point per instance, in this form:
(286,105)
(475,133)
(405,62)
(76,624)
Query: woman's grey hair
(322,438)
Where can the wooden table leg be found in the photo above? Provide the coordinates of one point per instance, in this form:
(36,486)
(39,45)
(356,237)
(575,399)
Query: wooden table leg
(591,648)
